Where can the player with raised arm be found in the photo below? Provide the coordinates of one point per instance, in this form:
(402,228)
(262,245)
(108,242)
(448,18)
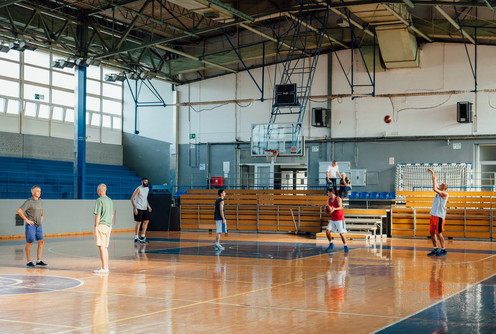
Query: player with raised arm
(438,216)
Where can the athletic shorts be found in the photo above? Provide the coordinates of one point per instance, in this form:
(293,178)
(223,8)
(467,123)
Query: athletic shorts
(220,226)
(436,224)
(142,216)
(33,233)
(337,226)
(102,235)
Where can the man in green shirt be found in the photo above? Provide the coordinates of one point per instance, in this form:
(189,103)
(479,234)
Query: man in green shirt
(104,219)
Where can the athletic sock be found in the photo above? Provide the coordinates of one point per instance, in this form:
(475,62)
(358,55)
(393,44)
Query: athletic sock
(142,235)
(136,236)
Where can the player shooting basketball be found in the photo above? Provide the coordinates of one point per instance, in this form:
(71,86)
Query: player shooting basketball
(438,215)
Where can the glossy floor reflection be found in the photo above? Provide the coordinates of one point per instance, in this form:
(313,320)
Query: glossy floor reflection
(278,283)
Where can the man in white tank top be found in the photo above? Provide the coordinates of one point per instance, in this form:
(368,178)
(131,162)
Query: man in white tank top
(438,215)
(141,210)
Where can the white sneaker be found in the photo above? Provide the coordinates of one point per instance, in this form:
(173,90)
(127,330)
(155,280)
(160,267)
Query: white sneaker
(101,271)
(219,247)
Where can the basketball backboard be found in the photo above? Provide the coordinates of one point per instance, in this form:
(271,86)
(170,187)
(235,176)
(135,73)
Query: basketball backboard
(285,137)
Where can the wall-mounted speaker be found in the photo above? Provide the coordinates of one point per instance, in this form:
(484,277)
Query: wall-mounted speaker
(286,95)
(320,117)
(464,112)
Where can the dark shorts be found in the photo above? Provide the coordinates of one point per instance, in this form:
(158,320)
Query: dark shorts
(142,216)
(33,233)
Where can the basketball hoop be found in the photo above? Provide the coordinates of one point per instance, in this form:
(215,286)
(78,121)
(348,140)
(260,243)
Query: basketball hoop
(271,155)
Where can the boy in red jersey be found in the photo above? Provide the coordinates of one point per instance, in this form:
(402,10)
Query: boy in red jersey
(336,223)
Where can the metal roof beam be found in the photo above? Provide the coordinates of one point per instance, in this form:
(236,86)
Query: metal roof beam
(132,24)
(255,31)
(110,5)
(454,24)
(225,9)
(184,54)
(344,16)
(316,30)
(154,20)
(408,24)
(165,40)
(8,3)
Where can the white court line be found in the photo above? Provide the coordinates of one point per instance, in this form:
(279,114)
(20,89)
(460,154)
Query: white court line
(304,310)
(439,302)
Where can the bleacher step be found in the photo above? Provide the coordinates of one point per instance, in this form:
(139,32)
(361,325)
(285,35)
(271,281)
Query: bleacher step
(354,235)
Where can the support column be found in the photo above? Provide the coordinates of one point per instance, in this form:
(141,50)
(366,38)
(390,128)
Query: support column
(80,134)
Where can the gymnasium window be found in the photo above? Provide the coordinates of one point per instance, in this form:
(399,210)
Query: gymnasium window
(44,111)
(9,69)
(13,107)
(48,93)
(58,114)
(30,109)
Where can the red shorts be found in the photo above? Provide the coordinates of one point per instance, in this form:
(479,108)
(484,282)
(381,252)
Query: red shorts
(436,224)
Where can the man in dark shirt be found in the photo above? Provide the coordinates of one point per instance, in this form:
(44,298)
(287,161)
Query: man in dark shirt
(220,219)
(32,214)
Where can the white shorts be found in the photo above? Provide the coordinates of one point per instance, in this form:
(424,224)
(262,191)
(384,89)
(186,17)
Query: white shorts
(337,226)
(221,227)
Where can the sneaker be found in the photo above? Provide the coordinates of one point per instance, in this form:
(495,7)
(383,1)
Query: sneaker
(101,271)
(346,249)
(41,263)
(143,240)
(219,247)
(136,240)
(30,265)
(433,252)
(330,247)
(442,252)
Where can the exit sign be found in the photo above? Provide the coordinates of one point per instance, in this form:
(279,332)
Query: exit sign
(39,96)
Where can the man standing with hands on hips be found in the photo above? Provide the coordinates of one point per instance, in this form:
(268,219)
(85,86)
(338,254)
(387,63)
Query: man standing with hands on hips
(32,214)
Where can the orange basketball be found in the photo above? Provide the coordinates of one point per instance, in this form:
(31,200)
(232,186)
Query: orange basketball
(388,118)
(328,208)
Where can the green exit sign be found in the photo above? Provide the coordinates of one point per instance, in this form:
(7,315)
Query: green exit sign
(39,96)
(192,135)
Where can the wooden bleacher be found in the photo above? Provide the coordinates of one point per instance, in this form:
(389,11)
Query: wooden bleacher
(272,211)
(469,214)
(361,224)
(255,210)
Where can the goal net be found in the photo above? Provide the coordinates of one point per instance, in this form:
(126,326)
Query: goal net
(414,176)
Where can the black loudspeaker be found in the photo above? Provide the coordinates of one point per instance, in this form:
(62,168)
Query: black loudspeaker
(464,112)
(320,117)
(286,95)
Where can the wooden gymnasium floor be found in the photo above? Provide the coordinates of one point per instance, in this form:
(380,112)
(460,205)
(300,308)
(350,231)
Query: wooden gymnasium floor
(261,283)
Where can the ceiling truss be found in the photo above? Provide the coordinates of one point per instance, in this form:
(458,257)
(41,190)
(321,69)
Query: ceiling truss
(183,41)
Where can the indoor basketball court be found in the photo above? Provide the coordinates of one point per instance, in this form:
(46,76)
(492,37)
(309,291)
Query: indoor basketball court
(260,283)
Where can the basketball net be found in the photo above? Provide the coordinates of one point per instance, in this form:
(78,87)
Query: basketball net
(271,155)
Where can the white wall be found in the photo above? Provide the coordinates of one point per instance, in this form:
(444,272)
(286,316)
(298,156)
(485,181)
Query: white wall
(64,216)
(153,122)
(444,67)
